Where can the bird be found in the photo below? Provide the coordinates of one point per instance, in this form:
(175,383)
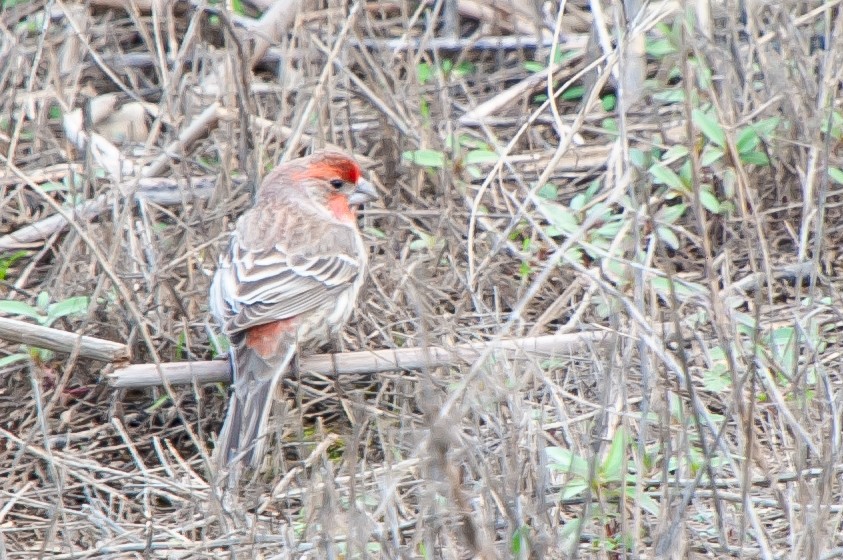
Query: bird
(289,280)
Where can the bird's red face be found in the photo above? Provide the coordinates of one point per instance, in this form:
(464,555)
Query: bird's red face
(337,179)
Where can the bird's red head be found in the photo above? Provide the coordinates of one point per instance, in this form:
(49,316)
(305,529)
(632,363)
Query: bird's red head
(327,178)
(329,166)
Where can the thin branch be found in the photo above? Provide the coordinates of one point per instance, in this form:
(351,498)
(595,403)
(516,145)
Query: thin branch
(272,25)
(62,341)
(201,124)
(42,229)
(365,362)
(160,190)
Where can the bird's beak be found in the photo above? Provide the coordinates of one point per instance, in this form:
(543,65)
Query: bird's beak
(364,192)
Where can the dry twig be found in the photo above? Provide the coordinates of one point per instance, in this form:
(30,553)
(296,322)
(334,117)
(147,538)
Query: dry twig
(364,362)
(62,341)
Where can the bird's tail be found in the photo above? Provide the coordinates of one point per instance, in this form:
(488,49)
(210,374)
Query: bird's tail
(244,434)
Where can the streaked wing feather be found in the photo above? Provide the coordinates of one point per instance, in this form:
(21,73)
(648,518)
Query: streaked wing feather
(266,283)
(260,313)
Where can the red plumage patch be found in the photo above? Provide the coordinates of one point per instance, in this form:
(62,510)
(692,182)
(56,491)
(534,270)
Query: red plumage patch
(331,166)
(338,205)
(263,339)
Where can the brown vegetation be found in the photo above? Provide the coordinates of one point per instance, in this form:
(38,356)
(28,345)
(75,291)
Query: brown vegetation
(692,215)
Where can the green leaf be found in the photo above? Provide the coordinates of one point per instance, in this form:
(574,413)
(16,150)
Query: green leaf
(13,359)
(424,241)
(181,346)
(660,48)
(41,354)
(674,153)
(474,172)
(600,210)
(609,102)
(425,158)
(159,402)
(573,93)
(609,125)
(468,141)
(730,181)
(710,154)
(71,306)
(42,300)
(578,202)
(237,7)
(686,173)
(670,214)
(619,272)
(525,270)
(766,127)
(52,187)
(423,72)
(709,201)
(475,157)
(562,220)
(668,236)
(565,55)
(709,127)
(533,66)
(424,110)
(13,307)
(375,232)
(8,261)
(717,353)
(638,158)
(747,140)
(463,69)
(548,191)
(609,230)
(566,461)
(612,466)
(644,501)
(755,158)
(683,289)
(220,344)
(704,75)
(520,540)
(669,96)
(836,174)
(526,243)
(569,536)
(666,176)
(573,489)
(783,336)
(715,380)
(572,255)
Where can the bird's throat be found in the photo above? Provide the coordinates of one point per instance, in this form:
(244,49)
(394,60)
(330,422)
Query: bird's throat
(338,205)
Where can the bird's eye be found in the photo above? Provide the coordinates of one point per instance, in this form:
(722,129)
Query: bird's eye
(337,183)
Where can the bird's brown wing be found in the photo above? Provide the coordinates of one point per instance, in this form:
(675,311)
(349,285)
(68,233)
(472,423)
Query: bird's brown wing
(282,265)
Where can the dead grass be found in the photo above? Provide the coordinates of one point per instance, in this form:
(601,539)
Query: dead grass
(730,429)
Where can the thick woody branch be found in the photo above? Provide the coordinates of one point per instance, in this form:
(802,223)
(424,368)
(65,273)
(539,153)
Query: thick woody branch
(62,341)
(366,362)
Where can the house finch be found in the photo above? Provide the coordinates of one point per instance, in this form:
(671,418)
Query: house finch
(289,279)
